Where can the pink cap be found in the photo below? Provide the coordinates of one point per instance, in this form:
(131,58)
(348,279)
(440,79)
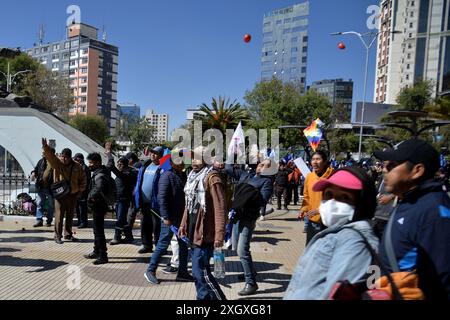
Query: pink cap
(342,179)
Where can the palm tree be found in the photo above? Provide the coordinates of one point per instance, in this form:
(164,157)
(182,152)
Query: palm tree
(222,114)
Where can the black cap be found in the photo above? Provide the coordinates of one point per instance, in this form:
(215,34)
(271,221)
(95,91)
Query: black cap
(78,156)
(415,151)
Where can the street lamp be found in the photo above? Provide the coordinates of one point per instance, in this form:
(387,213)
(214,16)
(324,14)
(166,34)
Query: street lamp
(367,44)
(10,77)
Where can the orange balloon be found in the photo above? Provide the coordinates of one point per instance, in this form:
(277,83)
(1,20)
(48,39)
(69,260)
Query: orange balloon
(341,46)
(247,38)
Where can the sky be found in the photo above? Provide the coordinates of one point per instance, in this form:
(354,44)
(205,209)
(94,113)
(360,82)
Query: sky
(178,54)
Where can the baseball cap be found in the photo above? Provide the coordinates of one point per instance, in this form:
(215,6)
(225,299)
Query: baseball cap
(78,156)
(415,151)
(341,178)
(157,150)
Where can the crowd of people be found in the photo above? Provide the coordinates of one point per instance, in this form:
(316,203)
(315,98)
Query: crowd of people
(394,213)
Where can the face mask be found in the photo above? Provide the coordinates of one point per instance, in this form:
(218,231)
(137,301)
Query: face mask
(331,211)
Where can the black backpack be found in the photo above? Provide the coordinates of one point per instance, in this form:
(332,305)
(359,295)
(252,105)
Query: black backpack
(247,202)
(110,196)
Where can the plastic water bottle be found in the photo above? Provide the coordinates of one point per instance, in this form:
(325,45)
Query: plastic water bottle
(219,264)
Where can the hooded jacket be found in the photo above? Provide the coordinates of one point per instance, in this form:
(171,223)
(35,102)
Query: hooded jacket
(421,238)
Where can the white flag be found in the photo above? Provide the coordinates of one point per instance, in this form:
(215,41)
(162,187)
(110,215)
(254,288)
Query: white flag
(301,165)
(236,141)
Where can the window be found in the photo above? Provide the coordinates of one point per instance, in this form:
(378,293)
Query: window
(267,54)
(267,24)
(36,51)
(56,47)
(294,60)
(66,55)
(279,22)
(73,53)
(294,50)
(297,19)
(267,34)
(66,45)
(84,60)
(84,51)
(410,24)
(72,72)
(287,20)
(55,66)
(73,63)
(294,39)
(423,16)
(83,70)
(305,49)
(293,70)
(55,56)
(302,80)
(44,49)
(266,63)
(303,59)
(303,69)
(43,59)
(65,66)
(267,43)
(299,28)
(420,58)
(83,80)
(305,39)
(411,14)
(286,31)
(75,43)
(83,99)
(83,89)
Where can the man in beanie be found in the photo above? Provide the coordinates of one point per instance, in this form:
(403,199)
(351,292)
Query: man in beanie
(417,236)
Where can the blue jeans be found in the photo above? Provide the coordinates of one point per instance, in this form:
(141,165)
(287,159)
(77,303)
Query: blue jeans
(41,196)
(121,212)
(242,235)
(205,283)
(161,249)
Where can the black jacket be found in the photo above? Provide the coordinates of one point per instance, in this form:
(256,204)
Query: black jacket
(88,181)
(98,186)
(171,198)
(124,181)
(281,179)
(39,173)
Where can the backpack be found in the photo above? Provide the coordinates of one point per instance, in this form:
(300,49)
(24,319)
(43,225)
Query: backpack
(247,202)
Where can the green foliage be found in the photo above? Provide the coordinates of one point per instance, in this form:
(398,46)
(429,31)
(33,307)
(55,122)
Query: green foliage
(417,97)
(94,127)
(222,115)
(141,135)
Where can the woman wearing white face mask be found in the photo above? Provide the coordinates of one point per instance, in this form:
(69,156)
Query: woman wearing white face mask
(338,253)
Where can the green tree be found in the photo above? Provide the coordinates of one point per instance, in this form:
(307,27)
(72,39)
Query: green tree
(141,135)
(272,104)
(417,97)
(222,114)
(94,127)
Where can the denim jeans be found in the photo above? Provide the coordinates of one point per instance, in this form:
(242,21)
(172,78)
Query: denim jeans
(121,215)
(205,283)
(41,196)
(161,249)
(242,235)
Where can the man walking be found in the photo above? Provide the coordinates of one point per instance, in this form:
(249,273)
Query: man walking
(204,224)
(146,193)
(98,190)
(65,169)
(417,236)
(171,207)
(43,174)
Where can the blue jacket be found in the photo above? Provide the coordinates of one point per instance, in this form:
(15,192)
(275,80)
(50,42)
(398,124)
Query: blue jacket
(140,179)
(421,238)
(262,183)
(333,255)
(171,198)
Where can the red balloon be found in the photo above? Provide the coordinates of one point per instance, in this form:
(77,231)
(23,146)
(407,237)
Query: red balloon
(341,46)
(247,38)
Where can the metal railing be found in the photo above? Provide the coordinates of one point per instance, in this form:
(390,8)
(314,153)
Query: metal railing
(13,188)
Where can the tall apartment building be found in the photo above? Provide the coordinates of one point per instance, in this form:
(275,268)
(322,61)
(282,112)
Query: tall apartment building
(338,91)
(421,51)
(161,123)
(92,67)
(129,110)
(285,44)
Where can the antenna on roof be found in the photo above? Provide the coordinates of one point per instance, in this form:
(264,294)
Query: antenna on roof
(41,34)
(104,33)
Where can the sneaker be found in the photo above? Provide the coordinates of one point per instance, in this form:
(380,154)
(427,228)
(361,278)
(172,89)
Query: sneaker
(58,241)
(38,224)
(151,277)
(100,260)
(114,242)
(71,238)
(145,250)
(184,277)
(170,270)
(91,255)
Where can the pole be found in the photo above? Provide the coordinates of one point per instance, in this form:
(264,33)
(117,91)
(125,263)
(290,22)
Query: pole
(8,81)
(364,102)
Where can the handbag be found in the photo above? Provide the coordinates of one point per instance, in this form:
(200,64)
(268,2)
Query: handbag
(62,188)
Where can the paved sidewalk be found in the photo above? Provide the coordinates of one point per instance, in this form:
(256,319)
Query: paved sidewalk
(32,266)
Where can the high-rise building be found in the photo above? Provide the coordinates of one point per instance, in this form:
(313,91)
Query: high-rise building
(92,67)
(285,44)
(161,123)
(421,51)
(131,111)
(338,91)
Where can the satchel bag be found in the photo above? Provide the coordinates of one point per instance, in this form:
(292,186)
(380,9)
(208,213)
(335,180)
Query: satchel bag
(62,188)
